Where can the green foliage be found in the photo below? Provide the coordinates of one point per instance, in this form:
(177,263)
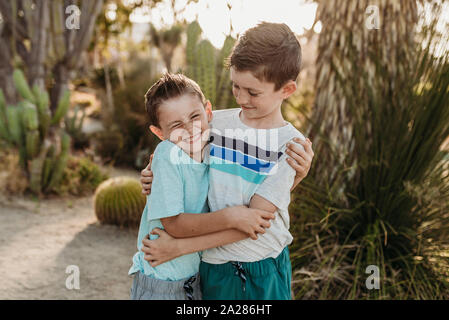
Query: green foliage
(128,133)
(225,98)
(30,128)
(12,178)
(81,177)
(119,201)
(74,127)
(205,65)
(392,210)
(205,69)
(22,86)
(109,144)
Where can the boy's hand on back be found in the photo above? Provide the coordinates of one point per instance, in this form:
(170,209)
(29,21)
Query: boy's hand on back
(300,159)
(146,178)
(163,249)
(248,220)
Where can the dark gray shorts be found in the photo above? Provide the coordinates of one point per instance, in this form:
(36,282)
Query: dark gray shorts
(147,288)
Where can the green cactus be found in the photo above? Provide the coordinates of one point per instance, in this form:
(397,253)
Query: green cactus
(205,69)
(22,85)
(29,114)
(30,128)
(63,107)
(193,35)
(225,51)
(37,168)
(3,120)
(32,143)
(119,201)
(224,89)
(14,124)
(205,65)
(43,106)
(60,162)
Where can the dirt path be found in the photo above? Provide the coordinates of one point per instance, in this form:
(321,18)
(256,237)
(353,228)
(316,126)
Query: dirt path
(38,240)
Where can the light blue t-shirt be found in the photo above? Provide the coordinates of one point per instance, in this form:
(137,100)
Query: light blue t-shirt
(180,185)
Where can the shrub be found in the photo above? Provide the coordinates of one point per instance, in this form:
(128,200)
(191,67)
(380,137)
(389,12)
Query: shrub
(390,208)
(128,132)
(13,179)
(81,177)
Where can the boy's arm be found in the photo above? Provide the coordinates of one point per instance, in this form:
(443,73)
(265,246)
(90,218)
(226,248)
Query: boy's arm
(166,247)
(248,220)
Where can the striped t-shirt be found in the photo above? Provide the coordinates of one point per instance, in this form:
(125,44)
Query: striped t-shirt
(244,161)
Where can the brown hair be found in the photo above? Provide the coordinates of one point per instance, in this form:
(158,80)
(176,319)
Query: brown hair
(169,86)
(270,51)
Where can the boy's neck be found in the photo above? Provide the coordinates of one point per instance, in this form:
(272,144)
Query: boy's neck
(270,121)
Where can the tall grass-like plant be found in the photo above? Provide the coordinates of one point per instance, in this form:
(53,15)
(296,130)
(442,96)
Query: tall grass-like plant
(393,208)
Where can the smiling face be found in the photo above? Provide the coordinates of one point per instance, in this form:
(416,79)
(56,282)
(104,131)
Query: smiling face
(259,101)
(185,122)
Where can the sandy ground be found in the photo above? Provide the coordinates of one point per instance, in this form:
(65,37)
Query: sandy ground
(39,240)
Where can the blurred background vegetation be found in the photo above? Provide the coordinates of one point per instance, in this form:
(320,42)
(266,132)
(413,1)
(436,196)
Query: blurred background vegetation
(374,101)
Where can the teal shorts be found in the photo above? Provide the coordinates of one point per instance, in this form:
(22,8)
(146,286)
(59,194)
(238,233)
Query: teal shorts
(268,279)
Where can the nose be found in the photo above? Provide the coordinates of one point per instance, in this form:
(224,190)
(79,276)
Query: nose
(193,127)
(241,97)
(189,128)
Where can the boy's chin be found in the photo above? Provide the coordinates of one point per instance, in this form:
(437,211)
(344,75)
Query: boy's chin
(191,148)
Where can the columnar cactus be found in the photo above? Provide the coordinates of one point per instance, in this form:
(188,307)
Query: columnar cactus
(119,201)
(193,36)
(205,69)
(29,126)
(205,65)
(224,88)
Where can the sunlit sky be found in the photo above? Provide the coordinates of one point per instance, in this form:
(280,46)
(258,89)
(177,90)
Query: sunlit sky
(214,16)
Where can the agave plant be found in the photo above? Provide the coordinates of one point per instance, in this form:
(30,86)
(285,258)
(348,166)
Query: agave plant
(389,207)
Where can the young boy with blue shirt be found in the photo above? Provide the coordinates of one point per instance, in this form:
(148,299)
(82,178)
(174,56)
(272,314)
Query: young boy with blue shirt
(180,116)
(249,166)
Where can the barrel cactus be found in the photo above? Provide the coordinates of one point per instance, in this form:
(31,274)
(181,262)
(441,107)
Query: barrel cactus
(119,201)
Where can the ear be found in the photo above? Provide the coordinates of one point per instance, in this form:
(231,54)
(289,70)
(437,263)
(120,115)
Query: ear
(289,88)
(208,109)
(157,131)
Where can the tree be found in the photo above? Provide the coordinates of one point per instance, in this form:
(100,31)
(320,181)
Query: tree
(350,33)
(166,40)
(54,47)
